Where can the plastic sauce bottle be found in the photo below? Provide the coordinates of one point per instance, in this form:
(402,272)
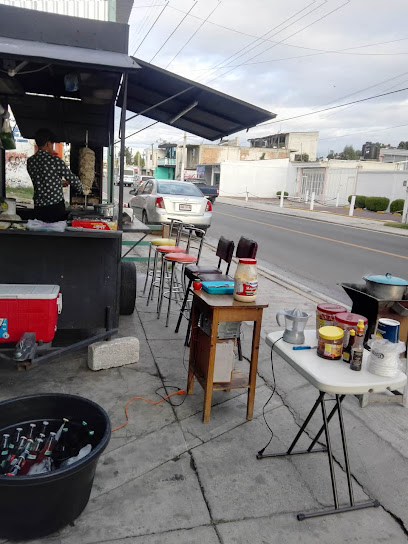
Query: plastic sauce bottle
(246,281)
(358,348)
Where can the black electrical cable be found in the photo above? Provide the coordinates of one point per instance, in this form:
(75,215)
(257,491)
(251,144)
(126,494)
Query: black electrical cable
(185,16)
(260,452)
(150,29)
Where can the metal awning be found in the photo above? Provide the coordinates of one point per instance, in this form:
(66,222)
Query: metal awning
(189,106)
(40,52)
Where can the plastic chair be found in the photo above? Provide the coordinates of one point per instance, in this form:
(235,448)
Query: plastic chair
(225,251)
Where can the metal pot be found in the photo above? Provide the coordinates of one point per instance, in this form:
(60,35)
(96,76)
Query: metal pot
(387,287)
(105,210)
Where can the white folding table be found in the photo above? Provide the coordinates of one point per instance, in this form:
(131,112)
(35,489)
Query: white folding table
(333,378)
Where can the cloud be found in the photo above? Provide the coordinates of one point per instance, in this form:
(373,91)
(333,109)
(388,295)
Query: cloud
(277,81)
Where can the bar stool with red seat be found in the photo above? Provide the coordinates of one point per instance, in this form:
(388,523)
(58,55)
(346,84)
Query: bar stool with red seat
(175,258)
(225,251)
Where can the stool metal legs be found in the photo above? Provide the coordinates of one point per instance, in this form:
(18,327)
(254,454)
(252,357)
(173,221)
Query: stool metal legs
(325,427)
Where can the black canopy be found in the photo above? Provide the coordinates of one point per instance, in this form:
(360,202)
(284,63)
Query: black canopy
(187,105)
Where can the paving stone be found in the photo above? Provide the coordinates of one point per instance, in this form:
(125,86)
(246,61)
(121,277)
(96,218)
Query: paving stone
(166,499)
(370,526)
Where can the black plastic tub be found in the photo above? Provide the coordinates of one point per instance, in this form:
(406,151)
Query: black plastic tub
(35,506)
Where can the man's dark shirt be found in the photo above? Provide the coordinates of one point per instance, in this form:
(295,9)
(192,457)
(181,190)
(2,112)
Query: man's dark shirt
(47,172)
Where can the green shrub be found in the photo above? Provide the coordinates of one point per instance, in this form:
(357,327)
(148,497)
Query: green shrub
(397,205)
(377,203)
(284,194)
(360,201)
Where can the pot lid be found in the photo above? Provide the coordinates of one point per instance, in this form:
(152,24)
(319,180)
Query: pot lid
(387,279)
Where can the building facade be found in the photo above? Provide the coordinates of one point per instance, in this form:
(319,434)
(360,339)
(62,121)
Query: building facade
(297,144)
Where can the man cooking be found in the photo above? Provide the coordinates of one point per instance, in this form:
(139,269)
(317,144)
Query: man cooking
(47,173)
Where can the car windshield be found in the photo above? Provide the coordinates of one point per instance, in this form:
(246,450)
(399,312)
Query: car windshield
(185,189)
(128,173)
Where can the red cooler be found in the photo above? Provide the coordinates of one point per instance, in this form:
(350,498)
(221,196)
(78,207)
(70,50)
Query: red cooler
(28,308)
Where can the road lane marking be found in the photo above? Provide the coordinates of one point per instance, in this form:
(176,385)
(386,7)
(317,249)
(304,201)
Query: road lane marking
(315,236)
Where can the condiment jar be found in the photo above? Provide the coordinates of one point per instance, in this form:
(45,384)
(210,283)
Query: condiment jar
(325,315)
(246,281)
(348,321)
(330,342)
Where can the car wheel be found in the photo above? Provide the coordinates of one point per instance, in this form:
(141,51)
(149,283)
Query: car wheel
(127,288)
(144,217)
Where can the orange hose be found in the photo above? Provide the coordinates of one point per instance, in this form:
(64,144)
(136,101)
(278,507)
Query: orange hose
(180,392)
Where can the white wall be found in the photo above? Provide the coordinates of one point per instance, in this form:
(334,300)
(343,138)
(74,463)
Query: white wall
(388,184)
(261,178)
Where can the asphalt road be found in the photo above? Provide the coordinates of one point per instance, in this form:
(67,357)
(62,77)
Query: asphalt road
(313,253)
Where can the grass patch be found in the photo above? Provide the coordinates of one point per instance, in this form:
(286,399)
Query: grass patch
(397,225)
(20,192)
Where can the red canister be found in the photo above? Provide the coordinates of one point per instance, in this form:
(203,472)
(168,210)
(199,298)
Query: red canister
(325,315)
(348,321)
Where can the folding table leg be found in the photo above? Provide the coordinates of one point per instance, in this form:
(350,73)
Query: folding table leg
(325,427)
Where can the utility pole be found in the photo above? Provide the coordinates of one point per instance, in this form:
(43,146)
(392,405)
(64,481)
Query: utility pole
(183,157)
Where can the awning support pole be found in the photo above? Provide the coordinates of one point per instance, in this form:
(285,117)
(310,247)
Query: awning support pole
(122,148)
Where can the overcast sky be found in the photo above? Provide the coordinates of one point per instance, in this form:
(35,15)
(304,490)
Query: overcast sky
(292,69)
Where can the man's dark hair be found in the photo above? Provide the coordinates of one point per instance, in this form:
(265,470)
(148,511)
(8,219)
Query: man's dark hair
(42,136)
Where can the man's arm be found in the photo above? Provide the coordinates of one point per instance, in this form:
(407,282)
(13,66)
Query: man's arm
(68,175)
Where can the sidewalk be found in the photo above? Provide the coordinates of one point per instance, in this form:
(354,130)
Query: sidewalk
(167,477)
(321,213)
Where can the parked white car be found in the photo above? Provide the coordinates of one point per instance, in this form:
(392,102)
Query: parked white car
(161,200)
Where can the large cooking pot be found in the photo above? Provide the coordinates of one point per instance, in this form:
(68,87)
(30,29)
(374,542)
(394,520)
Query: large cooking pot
(386,287)
(105,210)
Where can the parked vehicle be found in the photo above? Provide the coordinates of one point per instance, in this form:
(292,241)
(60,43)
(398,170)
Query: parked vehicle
(160,200)
(209,191)
(139,180)
(128,176)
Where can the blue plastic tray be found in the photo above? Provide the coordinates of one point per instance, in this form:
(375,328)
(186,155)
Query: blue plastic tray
(218,287)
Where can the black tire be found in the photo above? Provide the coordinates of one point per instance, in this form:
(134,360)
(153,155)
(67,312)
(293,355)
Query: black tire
(127,288)
(212,200)
(144,217)
(199,234)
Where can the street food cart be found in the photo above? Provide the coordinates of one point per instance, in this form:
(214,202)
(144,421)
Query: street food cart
(68,74)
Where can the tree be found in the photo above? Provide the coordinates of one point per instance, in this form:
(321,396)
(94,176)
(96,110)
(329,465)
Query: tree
(136,159)
(349,153)
(128,155)
(403,145)
(331,155)
(304,157)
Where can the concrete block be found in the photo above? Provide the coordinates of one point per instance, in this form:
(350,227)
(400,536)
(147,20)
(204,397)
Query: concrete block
(116,352)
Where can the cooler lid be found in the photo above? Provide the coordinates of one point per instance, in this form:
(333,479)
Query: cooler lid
(28,291)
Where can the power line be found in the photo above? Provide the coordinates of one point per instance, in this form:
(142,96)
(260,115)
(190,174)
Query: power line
(294,34)
(285,44)
(362,132)
(261,38)
(150,29)
(185,16)
(192,36)
(332,107)
(144,22)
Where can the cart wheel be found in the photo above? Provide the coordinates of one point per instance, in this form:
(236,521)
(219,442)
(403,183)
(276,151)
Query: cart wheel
(127,288)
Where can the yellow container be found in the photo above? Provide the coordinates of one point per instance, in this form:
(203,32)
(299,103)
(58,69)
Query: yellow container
(330,342)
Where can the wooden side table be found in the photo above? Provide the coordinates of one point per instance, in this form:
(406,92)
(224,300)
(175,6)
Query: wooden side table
(219,308)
